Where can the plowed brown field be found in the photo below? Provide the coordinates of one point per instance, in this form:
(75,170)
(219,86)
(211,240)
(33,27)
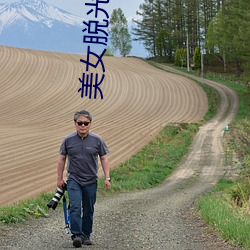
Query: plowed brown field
(39,94)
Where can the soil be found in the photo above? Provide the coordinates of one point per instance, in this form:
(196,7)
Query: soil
(39,95)
(140,100)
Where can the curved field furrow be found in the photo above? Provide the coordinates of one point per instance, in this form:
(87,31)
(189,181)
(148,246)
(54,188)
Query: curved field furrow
(39,94)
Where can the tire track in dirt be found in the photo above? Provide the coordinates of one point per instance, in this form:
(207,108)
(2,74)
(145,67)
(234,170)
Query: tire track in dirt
(206,156)
(39,96)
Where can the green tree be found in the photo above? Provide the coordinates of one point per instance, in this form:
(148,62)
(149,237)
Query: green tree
(119,34)
(197,58)
(241,36)
(108,52)
(177,58)
(146,27)
(216,39)
(181,57)
(228,35)
(165,25)
(154,28)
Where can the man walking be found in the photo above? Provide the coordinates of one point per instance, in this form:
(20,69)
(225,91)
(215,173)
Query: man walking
(82,149)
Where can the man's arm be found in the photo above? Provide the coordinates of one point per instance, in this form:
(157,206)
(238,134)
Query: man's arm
(105,167)
(60,169)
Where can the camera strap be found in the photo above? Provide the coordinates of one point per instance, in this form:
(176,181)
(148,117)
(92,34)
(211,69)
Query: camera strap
(66,212)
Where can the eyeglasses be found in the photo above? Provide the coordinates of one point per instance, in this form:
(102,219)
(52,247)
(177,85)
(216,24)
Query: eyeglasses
(83,123)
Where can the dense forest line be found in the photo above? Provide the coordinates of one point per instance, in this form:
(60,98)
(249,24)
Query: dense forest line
(218,29)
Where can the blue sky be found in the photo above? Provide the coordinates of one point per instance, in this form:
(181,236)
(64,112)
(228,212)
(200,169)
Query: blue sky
(77,7)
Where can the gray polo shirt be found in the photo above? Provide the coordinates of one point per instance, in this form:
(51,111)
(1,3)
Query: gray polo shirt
(83,156)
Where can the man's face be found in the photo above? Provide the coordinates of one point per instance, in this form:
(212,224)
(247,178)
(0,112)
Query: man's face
(82,125)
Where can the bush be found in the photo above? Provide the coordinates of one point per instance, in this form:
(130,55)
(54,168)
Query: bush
(181,57)
(197,58)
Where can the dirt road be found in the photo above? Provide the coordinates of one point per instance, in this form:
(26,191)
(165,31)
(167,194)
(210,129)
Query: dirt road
(160,218)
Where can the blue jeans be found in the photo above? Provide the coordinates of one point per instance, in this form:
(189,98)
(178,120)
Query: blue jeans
(82,200)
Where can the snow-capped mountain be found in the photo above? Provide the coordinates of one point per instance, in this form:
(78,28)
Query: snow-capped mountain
(35,24)
(34,11)
(135,17)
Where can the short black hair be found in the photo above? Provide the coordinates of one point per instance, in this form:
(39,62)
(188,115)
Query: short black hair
(82,113)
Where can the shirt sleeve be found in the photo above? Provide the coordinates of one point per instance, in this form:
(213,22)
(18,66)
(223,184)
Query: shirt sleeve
(103,148)
(63,148)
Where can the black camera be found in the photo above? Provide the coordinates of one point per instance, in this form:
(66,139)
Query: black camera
(54,201)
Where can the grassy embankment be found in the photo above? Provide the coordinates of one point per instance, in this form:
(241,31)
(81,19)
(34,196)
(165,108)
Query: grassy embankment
(160,157)
(227,207)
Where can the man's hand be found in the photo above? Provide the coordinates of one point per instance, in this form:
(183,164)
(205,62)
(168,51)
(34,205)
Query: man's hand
(60,183)
(106,184)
